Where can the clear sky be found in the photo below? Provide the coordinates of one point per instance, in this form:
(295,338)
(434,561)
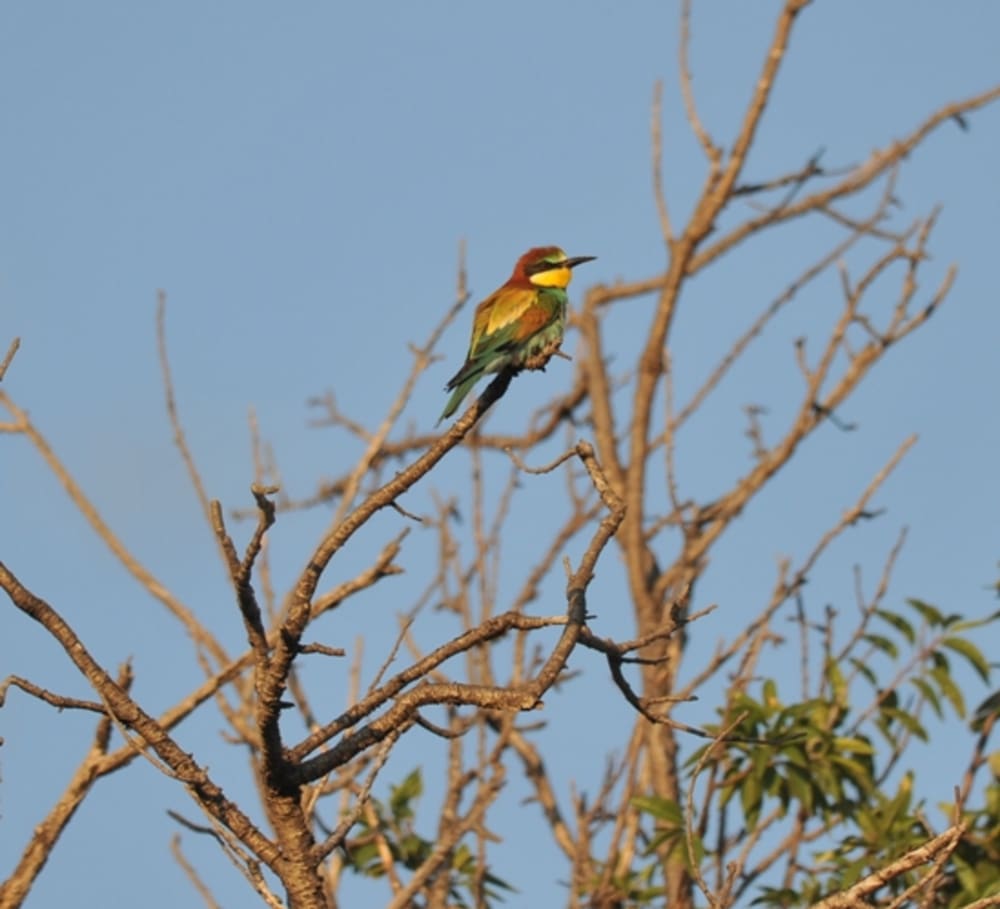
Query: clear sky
(297,178)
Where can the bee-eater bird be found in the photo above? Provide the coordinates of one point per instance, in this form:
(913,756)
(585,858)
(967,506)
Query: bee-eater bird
(521,321)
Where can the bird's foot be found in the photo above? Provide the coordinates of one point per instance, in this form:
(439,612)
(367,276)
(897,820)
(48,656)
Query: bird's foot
(540,358)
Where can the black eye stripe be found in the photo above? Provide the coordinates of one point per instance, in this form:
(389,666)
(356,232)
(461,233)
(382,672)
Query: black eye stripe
(537,267)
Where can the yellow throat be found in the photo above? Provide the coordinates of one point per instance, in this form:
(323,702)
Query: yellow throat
(553,277)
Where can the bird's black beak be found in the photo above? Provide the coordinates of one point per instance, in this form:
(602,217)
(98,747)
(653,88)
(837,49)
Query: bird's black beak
(578,260)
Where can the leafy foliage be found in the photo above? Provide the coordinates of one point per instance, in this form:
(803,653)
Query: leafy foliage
(391,825)
(816,759)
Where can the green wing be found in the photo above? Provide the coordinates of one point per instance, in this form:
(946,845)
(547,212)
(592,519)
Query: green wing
(504,324)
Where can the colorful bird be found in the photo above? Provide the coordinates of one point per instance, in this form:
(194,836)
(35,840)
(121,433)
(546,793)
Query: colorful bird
(521,323)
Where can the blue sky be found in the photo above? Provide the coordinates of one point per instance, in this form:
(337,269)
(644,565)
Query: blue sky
(298,181)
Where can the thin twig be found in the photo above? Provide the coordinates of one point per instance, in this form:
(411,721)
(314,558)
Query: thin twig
(9,357)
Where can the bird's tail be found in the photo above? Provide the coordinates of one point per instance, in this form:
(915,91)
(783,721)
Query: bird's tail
(463,387)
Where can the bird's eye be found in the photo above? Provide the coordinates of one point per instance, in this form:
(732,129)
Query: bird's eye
(544,265)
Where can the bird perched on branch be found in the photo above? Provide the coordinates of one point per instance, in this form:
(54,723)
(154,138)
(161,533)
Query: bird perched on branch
(519,325)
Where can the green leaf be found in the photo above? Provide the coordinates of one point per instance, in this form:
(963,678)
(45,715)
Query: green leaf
(856,772)
(751,796)
(972,654)
(825,781)
(930,614)
(941,661)
(414,850)
(795,756)
(367,855)
(949,689)
(769,695)
(900,804)
(755,713)
(853,745)
(838,684)
(770,896)
(929,695)
(880,642)
(899,623)
(760,759)
(800,788)
(968,624)
(662,809)
(867,821)
(907,720)
(405,792)
(966,876)
(864,669)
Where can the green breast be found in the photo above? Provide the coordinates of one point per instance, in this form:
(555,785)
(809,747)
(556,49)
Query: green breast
(548,338)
